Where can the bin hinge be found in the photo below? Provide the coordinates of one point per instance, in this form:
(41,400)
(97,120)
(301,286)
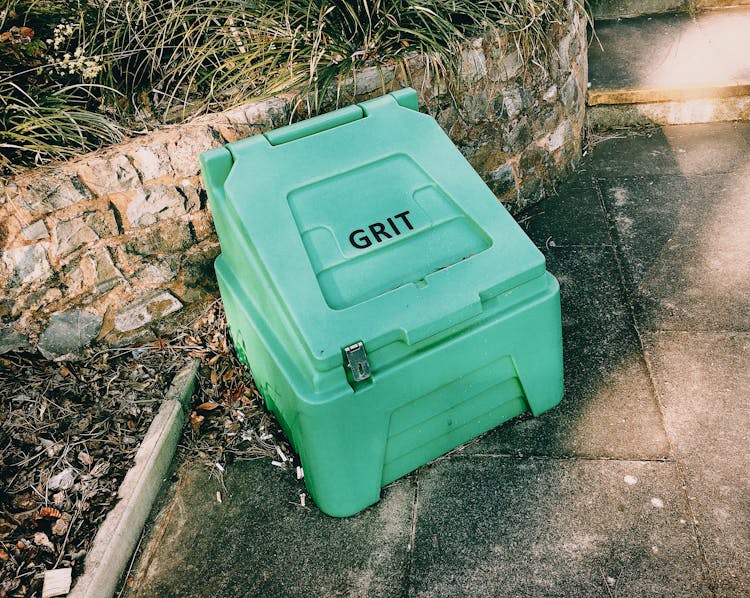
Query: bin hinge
(356,361)
(316,124)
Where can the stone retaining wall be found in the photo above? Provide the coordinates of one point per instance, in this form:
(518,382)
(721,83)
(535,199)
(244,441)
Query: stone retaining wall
(118,245)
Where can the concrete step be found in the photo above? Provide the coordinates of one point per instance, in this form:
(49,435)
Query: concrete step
(618,9)
(670,69)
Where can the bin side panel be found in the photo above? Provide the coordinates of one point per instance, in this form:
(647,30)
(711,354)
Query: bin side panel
(352,443)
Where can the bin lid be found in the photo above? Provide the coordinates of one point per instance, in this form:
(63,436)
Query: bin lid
(372,226)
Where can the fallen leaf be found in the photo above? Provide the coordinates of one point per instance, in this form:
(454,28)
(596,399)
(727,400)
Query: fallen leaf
(214,377)
(207,406)
(85,458)
(6,527)
(50,512)
(4,556)
(41,539)
(60,527)
(100,469)
(195,422)
(62,480)
(64,372)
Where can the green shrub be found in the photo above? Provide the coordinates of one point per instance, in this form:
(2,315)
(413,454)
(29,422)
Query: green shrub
(96,66)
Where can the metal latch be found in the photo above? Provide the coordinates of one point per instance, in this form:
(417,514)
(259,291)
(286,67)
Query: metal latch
(356,361)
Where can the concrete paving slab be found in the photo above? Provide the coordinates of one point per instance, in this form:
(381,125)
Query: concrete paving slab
(703,381)
(574,216)
(683,241)
(709,148)
(525,527)
(726,31)
(609,409)
(671,51)
(260,542)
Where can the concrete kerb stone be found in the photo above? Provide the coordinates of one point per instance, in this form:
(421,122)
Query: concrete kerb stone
(118,536)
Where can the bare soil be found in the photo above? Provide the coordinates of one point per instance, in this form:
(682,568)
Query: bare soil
(69,432)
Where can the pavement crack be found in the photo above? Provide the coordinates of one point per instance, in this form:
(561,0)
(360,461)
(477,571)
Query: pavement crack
(412,535)
(565,458)
(679,467)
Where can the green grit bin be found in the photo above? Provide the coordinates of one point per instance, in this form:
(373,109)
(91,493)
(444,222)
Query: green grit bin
(388,306)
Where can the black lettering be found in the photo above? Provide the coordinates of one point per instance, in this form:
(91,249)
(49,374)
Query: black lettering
(393,226)
(404,219)
(361,242)
(377,229)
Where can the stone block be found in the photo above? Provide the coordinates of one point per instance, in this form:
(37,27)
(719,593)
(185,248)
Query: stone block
(93,272)
(503,179)
(27,264)
(374,79)
(156,272)
(195,197)
(189,145)
(476,107)
(166,237)
(268,114)
(155,202)
(33,301)
(569,92)
(203,225)
(82,230)
(561,135)
(10,340)
(106,174)
(68,331)
(473,64)
(487,157)
(510,65)
(512,103)
(197,278)
(517,137)
(151,160)
(146,310)
(45,190)
(35,231)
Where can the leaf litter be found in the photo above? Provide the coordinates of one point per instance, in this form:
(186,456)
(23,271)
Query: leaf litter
(70,431)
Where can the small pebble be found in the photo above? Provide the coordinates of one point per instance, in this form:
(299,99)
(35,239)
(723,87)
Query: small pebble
(630,480)
(658,503)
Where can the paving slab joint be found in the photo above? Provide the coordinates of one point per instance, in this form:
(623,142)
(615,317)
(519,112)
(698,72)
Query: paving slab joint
(118,536)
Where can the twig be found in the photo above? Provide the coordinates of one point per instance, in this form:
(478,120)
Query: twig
(130,567)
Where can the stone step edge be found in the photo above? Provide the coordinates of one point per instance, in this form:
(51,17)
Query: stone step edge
(647,95)
(616,116)
(118,536)
(664,7)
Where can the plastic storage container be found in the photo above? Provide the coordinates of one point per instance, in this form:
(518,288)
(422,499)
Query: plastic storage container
(387,305)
